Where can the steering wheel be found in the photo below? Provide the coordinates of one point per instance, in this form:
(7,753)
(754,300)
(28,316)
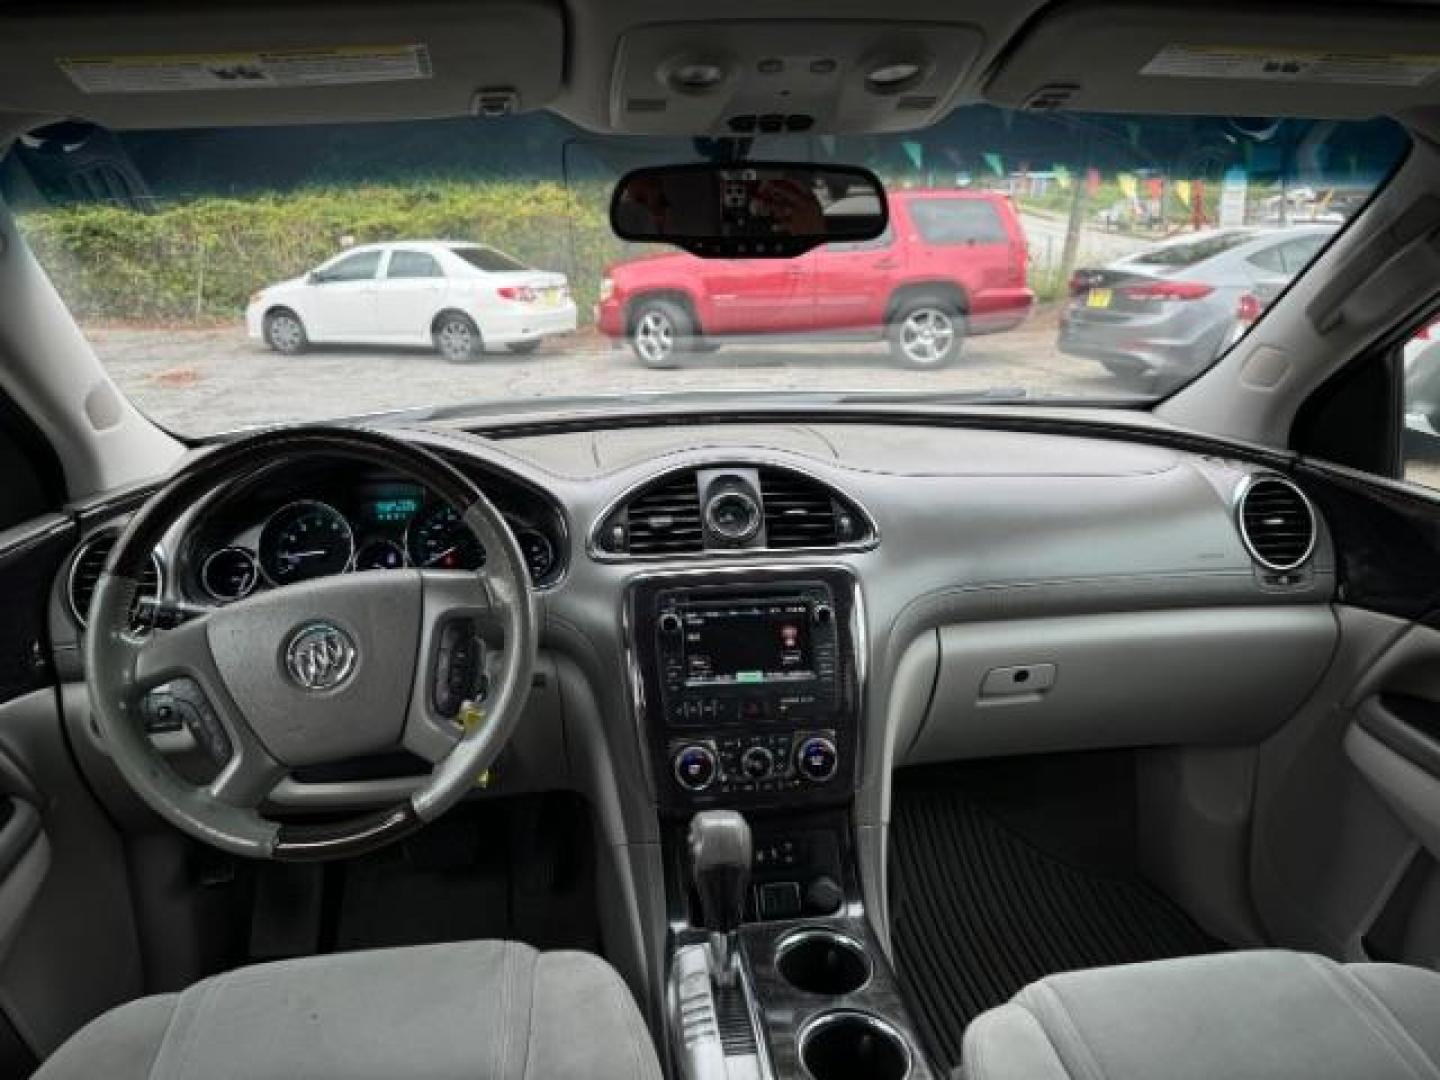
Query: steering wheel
(315,672)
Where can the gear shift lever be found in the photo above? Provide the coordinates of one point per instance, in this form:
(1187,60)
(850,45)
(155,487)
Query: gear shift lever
(720,854)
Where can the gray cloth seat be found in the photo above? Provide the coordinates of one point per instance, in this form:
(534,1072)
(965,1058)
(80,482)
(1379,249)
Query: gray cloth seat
(1252,1015)
(480,1010)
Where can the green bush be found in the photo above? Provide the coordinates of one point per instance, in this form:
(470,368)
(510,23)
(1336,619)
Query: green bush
(200,261)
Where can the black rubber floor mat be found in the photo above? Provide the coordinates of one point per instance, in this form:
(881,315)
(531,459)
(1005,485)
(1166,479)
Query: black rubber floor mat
(978,912)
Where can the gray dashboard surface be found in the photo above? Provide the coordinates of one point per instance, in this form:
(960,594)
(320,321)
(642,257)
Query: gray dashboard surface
(903,450)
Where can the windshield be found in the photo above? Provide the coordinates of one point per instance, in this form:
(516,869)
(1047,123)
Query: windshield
(234,277)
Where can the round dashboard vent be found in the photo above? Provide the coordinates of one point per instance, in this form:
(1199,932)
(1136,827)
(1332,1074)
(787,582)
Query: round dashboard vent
(1276,523)
(85,572)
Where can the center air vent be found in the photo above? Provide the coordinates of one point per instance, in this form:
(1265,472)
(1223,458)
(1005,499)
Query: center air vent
(1276,523)
(665,520)
(799,512)
(85,574)
(746,509)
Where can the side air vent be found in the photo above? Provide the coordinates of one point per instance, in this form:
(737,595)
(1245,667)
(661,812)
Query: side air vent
(799,511)
(1276,523)
(85,572)
(665,520)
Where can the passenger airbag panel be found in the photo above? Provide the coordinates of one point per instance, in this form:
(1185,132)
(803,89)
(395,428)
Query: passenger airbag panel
(1216,675)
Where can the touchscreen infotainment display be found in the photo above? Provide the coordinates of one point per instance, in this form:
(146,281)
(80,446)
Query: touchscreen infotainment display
(742,642)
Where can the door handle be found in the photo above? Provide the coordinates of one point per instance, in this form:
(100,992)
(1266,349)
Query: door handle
(885,264)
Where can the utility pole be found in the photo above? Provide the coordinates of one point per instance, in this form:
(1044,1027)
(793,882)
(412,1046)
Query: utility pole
(1079,199)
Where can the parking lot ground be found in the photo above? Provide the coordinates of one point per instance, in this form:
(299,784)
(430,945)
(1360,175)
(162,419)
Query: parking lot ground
(208,380)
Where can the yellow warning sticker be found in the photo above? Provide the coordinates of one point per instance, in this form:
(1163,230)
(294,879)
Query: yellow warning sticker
(1357,68)
(278,68)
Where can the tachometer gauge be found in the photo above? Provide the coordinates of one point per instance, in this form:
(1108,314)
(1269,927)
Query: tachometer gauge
(229,574)
(379,555)
(305,540)
(538,551)
(438,540)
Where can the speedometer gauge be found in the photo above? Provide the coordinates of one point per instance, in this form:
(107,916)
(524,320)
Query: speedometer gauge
(438,540)
(305,540)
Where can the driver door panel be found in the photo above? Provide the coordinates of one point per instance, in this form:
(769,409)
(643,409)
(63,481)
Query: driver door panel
(68,949)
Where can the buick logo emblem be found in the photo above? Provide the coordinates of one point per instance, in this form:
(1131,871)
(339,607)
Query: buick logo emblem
(320,656)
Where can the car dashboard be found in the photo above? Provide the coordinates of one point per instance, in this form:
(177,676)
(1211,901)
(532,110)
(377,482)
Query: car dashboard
(772,615)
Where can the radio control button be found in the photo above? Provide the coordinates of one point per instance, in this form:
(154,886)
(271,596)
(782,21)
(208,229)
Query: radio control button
(823,614)
(670,624)
(817,759)
(752,709)
(757,763)
(695,767)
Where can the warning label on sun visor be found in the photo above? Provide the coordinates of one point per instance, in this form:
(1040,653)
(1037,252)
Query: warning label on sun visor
(1294,65)
(281,68)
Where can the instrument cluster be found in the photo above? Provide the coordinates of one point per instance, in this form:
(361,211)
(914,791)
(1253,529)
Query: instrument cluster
(312,523)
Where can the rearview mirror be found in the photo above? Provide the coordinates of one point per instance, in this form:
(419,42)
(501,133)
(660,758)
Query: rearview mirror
(749,210)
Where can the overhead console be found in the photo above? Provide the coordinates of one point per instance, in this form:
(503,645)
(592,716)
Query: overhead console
(1245,59)
(775,77)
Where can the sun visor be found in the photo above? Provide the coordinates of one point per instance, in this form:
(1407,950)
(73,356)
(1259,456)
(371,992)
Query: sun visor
(229,64)
(1228,59)
(775,77)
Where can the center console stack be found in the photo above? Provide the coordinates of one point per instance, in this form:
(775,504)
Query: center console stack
(748,689)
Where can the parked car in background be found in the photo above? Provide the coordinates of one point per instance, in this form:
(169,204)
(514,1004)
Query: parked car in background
(1421,358)
(1251,306)
(461,298)
(1160,315)
(950,264)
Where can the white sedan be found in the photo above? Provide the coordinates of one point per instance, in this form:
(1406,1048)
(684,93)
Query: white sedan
(461,298)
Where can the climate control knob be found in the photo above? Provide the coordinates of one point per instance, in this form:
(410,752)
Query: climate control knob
(757,763)
(694,767)
(817,759)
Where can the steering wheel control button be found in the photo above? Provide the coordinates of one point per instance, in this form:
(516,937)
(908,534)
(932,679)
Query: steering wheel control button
(817,759)
(695,767)
(459,668)
(182,704)
(161,715)
(320,657)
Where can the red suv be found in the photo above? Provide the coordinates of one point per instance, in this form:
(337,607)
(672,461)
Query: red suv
(951,263)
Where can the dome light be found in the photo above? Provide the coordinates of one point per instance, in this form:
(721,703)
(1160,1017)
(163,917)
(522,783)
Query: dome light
(697,76)
(889,76)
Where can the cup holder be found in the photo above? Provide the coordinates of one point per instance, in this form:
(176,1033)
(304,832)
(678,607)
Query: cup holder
(819,961)
(847,1045)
